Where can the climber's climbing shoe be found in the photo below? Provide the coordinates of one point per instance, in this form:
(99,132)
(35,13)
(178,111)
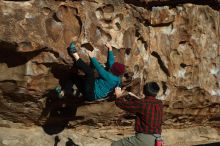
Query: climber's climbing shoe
(59,92)
(72,48)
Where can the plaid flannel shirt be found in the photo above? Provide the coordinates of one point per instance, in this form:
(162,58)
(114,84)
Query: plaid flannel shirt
(149,112)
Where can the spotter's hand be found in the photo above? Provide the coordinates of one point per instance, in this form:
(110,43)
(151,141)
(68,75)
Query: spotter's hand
(118,92)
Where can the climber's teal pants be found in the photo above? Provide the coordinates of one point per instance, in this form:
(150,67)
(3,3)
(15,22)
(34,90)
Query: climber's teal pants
(139,139)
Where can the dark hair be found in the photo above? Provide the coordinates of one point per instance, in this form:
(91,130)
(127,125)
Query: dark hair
(151,89)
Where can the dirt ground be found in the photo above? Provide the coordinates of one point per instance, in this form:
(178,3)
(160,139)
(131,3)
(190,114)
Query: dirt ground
(102,136)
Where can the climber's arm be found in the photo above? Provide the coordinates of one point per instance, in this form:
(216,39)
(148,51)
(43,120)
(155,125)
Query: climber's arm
(110,59)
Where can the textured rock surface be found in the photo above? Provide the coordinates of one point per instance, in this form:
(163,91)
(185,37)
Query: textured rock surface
(173,42)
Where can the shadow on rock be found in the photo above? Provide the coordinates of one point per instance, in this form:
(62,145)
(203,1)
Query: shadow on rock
(57,113)
(57,140)
(210,144)
(70,143)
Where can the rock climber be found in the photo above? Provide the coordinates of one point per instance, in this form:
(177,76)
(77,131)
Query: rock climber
(148,111)
(97,88)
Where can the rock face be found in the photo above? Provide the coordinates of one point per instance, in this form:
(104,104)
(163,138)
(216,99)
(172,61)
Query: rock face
(173,43)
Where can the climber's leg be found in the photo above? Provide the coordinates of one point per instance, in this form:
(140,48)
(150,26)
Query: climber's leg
(89,80)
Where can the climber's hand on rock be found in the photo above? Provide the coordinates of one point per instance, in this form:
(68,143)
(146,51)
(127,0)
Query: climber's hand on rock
(118,92)
(90,53)
(108,46)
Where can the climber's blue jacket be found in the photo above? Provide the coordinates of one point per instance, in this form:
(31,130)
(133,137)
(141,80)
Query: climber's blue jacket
(106,81)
